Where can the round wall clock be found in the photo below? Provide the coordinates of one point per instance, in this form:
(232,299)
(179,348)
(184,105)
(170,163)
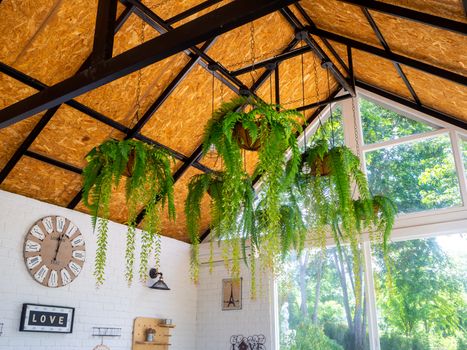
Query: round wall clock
(54,251)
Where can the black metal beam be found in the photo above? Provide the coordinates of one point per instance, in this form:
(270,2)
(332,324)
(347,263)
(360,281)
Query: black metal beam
(168,91)
(406,61)
(328,45)
(41,124)
(161,26)
(54,162)
(273,60)
(192,11)
(34,83)
(104,30)
(326,61)
(464,5)
(14,159)
(386,47)
(190,34)
(324,103)
(262,79)
(404,12)
(422,109)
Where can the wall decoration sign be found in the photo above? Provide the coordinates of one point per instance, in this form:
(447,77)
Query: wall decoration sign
(47,318)
(54,251)
(232,294)
(253,342)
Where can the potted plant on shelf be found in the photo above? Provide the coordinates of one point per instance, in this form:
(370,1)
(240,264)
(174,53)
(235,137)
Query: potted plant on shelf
(150,334)
(149,184)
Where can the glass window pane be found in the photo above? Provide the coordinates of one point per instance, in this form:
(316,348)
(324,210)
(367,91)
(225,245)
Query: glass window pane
(417,176)
(381,124)
(317,303)
(426,307)
(464,154)
(332,129)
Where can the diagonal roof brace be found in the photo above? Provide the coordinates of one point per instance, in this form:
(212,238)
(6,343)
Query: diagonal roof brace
(212,24)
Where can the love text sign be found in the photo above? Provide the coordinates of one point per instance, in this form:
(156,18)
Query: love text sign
(46,318)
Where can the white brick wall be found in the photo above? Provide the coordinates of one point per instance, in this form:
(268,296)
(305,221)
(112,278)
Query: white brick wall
(114,304)
(215,327)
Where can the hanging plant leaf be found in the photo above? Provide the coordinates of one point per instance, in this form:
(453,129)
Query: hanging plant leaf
(150,181)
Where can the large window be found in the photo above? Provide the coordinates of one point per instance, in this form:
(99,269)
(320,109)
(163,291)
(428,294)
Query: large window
(417,299)
(425,305)
(417,173)
(322,302)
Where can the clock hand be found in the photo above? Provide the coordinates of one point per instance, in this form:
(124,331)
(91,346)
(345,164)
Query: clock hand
(58,246)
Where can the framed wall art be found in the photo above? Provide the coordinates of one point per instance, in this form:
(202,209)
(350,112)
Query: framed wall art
(232,294)
(47,318)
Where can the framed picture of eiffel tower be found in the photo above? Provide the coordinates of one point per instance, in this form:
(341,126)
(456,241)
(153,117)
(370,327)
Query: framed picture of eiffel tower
(232,294)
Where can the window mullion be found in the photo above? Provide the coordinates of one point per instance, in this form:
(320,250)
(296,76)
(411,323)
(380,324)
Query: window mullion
(460,170)
(372,312)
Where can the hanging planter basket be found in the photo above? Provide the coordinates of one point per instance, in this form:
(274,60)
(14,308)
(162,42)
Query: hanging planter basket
(244,139)
(130,165)
(321,166)
(215,187)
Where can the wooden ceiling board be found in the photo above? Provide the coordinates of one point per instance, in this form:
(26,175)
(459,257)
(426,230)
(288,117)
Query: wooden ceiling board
(11,138)
(70,135)
(18,34)
(438,93)
(180,121)
(376,71)
(341,18)
(117,99)
(452,9)
(425,43)
(63,43)
(177,229)
(35,179)
(271,35)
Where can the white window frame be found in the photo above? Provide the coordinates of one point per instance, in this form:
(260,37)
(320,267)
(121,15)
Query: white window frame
(408,226)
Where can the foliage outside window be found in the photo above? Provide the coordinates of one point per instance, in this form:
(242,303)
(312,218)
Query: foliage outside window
(380,124)
(427,306)
(317,303)
(464,155)
(417,176)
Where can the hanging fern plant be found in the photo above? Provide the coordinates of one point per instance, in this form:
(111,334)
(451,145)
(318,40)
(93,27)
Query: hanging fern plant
(248,123)
(149,184)
(212,184)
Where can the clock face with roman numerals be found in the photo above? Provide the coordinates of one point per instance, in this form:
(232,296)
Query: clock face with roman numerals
(54,251)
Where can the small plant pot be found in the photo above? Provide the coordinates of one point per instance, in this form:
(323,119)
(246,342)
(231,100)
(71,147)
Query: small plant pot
(243,138)
(215,188)
(321,167)
(150,334)
(130,165)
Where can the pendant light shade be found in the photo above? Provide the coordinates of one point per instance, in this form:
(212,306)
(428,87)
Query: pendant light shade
(159,284)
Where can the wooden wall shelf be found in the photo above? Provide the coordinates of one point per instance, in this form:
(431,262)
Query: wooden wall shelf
(160,339)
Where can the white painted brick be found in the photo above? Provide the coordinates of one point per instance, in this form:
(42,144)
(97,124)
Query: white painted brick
(114,304)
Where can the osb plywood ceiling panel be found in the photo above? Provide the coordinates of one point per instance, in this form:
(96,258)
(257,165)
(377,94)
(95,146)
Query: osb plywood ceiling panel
(444,8)
(425,43)
(49,40)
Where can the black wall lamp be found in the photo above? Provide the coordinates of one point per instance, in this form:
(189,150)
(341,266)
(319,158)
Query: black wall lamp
(159,284)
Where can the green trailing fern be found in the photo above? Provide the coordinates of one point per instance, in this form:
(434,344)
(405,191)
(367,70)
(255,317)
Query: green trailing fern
(149,182)
(249,123)
(212,184)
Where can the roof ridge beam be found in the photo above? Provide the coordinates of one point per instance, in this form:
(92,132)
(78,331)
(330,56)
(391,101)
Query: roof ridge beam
(212,24)
(404,60)
(413,15)
(326,62)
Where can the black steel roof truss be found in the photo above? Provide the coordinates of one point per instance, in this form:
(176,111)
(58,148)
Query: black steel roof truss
(203,28)
(413,15)
(384,43)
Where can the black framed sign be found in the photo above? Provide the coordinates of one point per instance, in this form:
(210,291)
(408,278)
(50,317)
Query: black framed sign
(47,318)
(232,294)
